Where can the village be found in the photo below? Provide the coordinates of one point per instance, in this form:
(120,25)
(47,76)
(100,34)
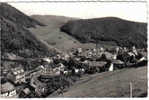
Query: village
(58,73)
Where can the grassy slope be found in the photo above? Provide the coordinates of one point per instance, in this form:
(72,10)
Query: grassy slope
(52,34)
(111,84)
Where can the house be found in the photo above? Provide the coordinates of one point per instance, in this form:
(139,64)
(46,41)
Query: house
(97,63)
(17,75)
(134,50)
(56,71)
(96,66)
(41,82)
(26,91)
(39,86)
(11,56)
(79,50)
(50,70)
(8,90)
(116,64)
(48,60)
(46,70)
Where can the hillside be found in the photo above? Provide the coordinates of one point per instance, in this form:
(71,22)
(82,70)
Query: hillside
(109,29)
(111,84)
(17,17)
(16,38)
(51,32)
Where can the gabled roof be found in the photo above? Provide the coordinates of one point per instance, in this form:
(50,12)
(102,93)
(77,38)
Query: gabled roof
(17,70)
(5,87)
(117,62)
(97,63)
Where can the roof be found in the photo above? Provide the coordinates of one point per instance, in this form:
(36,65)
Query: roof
(17,70)
(26,91)
(144,54)
(97,63)
(7,87)
(109,55)
(117,62)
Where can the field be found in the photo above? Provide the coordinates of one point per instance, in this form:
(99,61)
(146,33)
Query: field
(52,35)
(51,32)
(111,84)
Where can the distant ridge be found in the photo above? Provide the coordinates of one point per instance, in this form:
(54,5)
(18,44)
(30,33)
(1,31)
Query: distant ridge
(122,32)
(52,19)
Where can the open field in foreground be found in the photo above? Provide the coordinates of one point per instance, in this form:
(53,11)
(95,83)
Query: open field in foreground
(111,84)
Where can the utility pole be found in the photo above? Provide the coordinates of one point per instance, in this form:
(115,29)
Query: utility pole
(130,85)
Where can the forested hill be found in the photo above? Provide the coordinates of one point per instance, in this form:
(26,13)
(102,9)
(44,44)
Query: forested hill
(16,16)
(16,38)
(122,32)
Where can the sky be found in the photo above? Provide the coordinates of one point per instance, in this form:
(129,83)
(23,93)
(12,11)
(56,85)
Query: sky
(135,11)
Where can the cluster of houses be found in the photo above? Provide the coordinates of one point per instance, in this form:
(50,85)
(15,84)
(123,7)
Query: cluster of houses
(74,64)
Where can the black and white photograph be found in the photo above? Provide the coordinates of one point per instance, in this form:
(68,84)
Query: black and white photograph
(73,49)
